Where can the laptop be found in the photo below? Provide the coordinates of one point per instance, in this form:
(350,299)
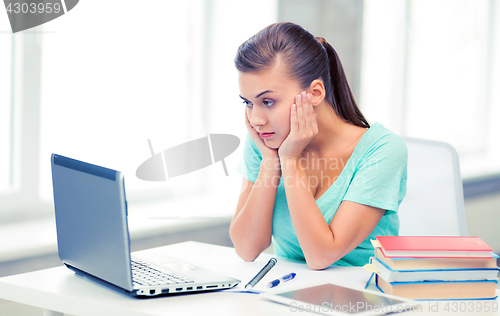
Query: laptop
(93,238)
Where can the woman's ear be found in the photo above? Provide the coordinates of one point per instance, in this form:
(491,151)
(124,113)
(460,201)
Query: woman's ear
(317,91)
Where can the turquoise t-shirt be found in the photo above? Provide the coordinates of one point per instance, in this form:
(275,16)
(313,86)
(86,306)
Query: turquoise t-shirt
(374,175)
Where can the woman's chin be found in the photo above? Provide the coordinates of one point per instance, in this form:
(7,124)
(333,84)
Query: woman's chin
(272,144)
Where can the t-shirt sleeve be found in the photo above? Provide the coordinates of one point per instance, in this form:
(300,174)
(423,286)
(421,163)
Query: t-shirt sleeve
(380,176)
(249,164)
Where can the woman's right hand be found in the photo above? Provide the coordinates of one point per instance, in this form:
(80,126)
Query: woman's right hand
(266,152)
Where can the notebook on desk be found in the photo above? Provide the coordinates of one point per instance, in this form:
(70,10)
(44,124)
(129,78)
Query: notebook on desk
(93,237)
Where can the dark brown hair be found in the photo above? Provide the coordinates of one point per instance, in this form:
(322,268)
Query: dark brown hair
(308,58)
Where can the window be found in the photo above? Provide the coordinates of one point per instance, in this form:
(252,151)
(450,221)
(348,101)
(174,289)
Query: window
(428,72)
(109,86)
(112,78)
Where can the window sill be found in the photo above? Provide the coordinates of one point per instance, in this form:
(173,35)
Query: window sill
(28,239)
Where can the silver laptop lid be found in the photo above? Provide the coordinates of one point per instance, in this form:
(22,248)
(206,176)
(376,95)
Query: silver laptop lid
(91,220)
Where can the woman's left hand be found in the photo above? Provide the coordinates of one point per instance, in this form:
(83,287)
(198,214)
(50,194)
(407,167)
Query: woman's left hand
(303,127)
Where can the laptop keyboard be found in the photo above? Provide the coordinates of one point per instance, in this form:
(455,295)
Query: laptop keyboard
(144,274)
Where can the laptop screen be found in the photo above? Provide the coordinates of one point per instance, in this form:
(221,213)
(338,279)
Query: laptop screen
(91,219)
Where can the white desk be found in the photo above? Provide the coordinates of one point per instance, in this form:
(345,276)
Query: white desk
(58,290)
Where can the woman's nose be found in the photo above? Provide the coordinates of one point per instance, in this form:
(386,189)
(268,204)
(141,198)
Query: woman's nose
(257,117)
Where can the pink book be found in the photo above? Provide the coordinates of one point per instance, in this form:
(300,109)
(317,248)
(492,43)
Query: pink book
(434,247)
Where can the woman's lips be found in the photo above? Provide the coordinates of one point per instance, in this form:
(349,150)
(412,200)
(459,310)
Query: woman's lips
(266,135)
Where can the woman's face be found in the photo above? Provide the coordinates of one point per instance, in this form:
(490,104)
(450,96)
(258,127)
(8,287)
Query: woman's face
(268,96)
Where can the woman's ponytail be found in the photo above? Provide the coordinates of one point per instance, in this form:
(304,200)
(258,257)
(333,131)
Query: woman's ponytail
(340,94)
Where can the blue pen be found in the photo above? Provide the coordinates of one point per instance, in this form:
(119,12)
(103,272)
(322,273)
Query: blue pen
(284,278)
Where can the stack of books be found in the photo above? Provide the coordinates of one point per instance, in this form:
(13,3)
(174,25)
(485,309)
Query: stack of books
(434,268)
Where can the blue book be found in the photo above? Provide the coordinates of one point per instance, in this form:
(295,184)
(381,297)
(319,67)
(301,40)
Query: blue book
(393,275)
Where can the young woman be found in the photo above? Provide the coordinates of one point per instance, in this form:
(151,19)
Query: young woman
(319,181)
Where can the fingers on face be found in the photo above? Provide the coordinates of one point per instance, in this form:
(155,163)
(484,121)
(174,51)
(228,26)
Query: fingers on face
(294,123)
(306,116)
(308,111)
(312,115)
(248,124)
(300,111)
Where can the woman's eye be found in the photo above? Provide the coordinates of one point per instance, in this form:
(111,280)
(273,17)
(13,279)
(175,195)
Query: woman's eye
(268,103)
(247,103)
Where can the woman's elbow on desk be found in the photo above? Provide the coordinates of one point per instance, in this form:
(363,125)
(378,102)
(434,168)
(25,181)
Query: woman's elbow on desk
(325,258)
(247,250)
(249,255)
(318,264)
